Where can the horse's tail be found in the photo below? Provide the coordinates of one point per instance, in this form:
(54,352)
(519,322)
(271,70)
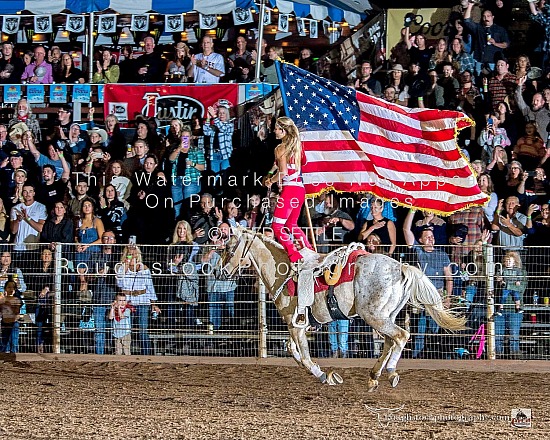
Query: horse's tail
(423,294)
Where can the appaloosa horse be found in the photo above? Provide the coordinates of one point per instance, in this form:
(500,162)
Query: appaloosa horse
(380,288)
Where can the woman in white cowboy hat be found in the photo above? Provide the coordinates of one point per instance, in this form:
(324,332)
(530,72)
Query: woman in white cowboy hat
(397,81)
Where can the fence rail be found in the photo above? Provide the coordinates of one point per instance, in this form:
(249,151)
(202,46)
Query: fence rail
(239,319)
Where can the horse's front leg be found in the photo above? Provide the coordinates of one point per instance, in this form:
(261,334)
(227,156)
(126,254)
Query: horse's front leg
(298,335)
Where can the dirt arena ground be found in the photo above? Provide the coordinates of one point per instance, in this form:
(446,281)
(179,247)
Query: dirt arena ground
(266,399)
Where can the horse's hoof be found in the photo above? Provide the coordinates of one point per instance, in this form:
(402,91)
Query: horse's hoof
(394,379)
(334,378)
(372,385)
(323,378)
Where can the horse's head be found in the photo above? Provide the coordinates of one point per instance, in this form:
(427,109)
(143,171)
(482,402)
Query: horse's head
(236,254)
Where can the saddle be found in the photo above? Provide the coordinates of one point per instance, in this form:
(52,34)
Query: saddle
(336,268)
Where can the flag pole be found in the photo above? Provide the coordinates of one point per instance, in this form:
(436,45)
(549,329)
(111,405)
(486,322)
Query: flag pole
(260,41)
(310,226)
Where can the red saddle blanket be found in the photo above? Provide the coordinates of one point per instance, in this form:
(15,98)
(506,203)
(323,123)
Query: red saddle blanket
(348,271)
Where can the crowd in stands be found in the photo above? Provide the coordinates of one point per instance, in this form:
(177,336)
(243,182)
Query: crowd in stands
(186,187)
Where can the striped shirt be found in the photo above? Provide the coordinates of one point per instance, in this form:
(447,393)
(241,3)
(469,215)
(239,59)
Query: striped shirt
(134,281)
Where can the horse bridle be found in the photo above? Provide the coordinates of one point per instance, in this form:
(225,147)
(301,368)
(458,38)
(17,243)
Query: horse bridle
(230,253)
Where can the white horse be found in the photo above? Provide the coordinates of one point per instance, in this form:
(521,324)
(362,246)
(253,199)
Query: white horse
(380,288)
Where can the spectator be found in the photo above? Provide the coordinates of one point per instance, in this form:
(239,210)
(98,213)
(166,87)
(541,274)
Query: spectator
(54,58)
(450,86)
(121,316)
(4,223)
(399,53)
(77,142)
(390,94)
(43,283)
(460,57)
(511,225)
(60,130)
(208,66)
(420,53)
(458,32)
(436,224)
(118,176)
(135,281)
(502,84)
(104,286)
(440,55)
(116,142)
(383,227)
(231,216)
(58,228)
(510,120)
(373,244)
(88,238)
(513,280)
(151,212)
(52,190)
(541,14)
(11,67)
(241,63)
(27,220)
(112,211)
(468,97)
(177,71)
(436,266)
(306,61)
(9,271)
(536,188)
(491,137)
(466,228)
(184,262)
(55,157)
(10,305)
(538,111)
(81,189)
(434,97)
(136,157)
(145,133)
(459,10)
(69,74)
(221,138)
(334,223)
(366,83)
(205,219)
(267,69)
(338,333)
(6,144)
(107,70)
(530,148)
(540,233)
(485,184)
(127,65)
(23,113)
(150,66)
(397,81)
(488,39)
(15,192)
(39,71)
(523,66)
(221,290)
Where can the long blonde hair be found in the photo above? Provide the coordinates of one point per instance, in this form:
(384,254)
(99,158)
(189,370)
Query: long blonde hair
(291,140)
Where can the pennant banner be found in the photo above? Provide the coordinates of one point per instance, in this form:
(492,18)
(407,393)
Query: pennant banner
(10,25)
(242,16)
(313,29)
(107,24)
(174,23)
(301,26)
(267,16)
(75,23)
(208,21)
(140,23)
(358,143)
(82,93)
(12,94)
(58,93)
(35,93)
(283,23)
(43,24)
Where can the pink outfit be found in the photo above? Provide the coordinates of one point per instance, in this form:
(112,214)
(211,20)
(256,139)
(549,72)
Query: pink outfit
(285,218)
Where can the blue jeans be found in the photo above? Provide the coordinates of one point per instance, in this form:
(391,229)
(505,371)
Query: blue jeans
(423,323)
(218,164)
(338,335)
(218,301)
(100,326)
(10,337)
(510,321)
(177,194)
(141,315)
(513,293)
(191,188)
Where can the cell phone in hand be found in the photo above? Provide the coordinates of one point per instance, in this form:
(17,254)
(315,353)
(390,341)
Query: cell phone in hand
(185,141)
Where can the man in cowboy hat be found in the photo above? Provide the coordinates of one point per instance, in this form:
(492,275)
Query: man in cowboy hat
(98,136)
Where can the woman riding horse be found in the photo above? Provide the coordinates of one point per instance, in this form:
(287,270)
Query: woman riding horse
(287,172)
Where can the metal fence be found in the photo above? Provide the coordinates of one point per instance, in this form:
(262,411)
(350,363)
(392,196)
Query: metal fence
(73,315)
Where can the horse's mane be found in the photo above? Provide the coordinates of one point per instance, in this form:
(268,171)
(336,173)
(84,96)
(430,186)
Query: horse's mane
(273,246)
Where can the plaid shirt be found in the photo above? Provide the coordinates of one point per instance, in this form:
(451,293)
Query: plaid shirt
(465,61)
(543,18)
(473,218)
(215,281)
(195,155)
(225,137)
(500,88)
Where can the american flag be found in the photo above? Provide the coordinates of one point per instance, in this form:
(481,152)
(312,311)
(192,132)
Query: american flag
(357,143)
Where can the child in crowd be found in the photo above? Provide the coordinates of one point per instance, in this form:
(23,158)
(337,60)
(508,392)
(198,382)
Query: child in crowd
(513,280)
(121,315)
(10,304)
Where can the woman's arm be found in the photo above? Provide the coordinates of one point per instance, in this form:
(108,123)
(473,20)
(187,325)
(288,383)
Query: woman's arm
(393,236)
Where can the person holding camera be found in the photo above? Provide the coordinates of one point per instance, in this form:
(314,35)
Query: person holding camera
(491,137)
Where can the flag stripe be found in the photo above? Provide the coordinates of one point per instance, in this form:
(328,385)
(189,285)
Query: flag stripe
(355,142)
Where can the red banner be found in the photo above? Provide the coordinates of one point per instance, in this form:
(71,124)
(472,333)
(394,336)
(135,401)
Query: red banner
(167,101)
